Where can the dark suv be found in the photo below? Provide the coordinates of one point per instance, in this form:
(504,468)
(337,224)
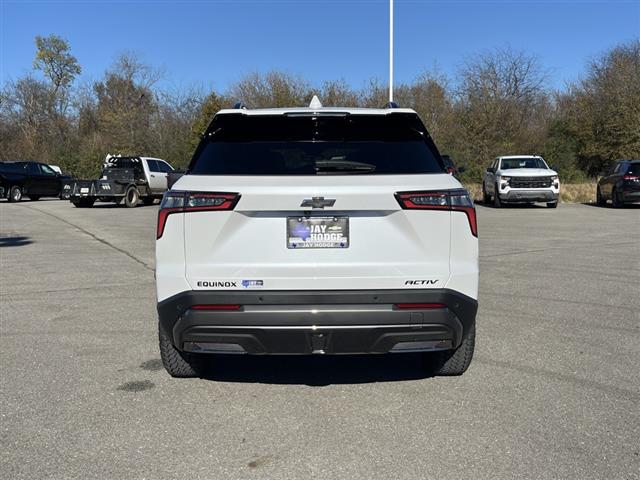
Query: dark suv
(621,184)
(32,179)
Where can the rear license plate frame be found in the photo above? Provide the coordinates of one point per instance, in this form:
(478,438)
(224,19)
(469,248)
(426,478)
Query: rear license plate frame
(333,225)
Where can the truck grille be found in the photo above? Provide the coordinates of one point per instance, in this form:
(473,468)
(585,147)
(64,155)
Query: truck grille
(530,182)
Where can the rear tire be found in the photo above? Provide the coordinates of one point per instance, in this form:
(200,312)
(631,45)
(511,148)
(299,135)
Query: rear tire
(131,197)
(453,362)
(486,198)
(615,199)
(552,204)
(599,198)
(496,197)
(178,364)
(15,194)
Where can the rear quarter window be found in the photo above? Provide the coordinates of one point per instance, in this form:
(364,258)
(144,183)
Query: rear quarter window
(12,168)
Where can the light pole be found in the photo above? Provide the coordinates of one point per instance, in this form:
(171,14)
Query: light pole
(390,50)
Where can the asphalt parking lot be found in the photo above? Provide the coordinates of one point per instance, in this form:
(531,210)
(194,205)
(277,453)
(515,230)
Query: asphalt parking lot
(553,391)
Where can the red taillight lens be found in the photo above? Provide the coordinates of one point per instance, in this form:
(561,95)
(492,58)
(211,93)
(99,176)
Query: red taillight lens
(181,202)
(197,202)
(452,200)
(419,306)
(631,177)
(223,307)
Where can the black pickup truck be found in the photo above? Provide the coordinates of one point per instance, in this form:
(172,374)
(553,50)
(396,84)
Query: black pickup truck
(32,179)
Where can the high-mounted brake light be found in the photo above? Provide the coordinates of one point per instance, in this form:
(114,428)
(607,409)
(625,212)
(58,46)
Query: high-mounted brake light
(453,200)
(182,202)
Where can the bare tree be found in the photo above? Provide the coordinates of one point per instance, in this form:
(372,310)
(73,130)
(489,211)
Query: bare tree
(273,89)
(502,104)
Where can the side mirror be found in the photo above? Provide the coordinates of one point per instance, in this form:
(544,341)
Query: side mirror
(491,170)
(554,167)
(461,169)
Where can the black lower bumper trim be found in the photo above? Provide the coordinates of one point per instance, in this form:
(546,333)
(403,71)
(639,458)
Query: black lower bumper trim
(306,322)
(526,196)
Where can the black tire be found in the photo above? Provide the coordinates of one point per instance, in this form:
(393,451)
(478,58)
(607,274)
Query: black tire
(65,196)
(496,197)
(147,201)
(552,204)
(615,199)
(15,194)
(486,198)
(83,202)
(131,197)
(599,198)
(178,364)
(453,362)
(34,197)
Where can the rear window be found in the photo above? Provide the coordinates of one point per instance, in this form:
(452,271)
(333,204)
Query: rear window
(237,144)
(634,169)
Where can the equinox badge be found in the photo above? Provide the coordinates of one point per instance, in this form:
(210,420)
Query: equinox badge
(318,202)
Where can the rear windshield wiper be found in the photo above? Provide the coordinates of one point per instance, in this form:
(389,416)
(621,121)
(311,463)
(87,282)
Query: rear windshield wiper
(343,166)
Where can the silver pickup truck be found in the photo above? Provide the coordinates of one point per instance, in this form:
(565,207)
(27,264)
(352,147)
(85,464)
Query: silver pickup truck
(124,180)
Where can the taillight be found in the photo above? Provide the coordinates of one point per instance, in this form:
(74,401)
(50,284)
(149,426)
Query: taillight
(452,200)
(631,177)
(182,202)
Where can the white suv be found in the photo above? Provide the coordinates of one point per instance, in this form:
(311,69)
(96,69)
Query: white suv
(520,179)
(316,231)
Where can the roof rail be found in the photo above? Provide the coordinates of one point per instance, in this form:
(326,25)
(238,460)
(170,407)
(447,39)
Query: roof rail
(240,106)
(391,105)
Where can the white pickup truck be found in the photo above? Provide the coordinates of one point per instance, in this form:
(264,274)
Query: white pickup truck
(520,179)
(124,179)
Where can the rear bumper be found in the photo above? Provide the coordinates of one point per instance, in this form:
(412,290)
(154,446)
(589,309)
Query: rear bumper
(308,322)
(96,189)
(524,196)
(630,196)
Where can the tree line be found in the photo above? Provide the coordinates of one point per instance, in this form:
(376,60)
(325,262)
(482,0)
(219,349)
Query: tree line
(498,103)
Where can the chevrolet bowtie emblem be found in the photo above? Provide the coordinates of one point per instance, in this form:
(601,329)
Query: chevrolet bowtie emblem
(318,202)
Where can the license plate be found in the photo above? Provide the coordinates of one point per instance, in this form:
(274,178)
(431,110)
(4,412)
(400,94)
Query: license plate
(317,232)
(84,190)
